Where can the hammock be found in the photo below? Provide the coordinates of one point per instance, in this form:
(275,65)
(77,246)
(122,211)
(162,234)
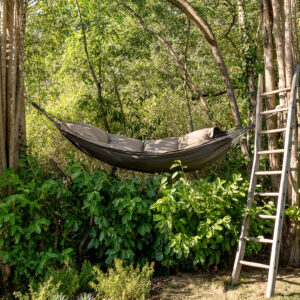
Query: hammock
(195,150)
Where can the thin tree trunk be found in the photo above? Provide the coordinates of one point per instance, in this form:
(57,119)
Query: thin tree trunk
(270,86)
(176,58)
(278,34)
(3,162)
(20,130)
(120,103)
(91,68)
(288,43)
(248,55)
(188,102)
(291,255)
(295,34)
(205,29)
(11,77)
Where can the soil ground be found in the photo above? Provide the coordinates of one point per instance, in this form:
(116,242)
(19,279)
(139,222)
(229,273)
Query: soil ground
(216,285)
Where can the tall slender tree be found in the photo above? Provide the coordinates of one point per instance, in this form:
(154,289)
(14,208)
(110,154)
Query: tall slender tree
(278,25)
(267,23)
(12,108)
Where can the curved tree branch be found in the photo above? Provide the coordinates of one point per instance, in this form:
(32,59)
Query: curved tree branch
(207,32)
(176,58)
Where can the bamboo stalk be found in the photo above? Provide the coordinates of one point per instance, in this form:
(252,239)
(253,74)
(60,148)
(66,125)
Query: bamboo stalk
(12,76)
(2,108)
(3,73)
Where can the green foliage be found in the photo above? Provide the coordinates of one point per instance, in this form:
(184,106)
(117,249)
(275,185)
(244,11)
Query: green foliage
(123,226)
(45,291)
(169,219)
(293,212)
(27,217)
(199,220)
(123,282)
(259,227)
(85,276)
(67,278)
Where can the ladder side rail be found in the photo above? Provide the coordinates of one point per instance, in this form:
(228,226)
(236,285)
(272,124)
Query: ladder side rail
(252,185)
(283,187)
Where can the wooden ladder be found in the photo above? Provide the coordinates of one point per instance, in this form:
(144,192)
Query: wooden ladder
(281,195)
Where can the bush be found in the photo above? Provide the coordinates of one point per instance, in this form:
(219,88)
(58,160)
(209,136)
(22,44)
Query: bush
(66,278)
(123,226)
(169,219)
(123,282)
(199,220)
(28,218)
(45,291)
(86,276)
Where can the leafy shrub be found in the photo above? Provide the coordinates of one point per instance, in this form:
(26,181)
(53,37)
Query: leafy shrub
(198,220)
(168,219)
(123,282)
(294,213)
(45,291)
(27,239)
(123,225)
(67,278)
(85,276)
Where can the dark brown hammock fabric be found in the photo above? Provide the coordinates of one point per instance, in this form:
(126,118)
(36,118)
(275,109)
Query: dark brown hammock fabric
(195,150)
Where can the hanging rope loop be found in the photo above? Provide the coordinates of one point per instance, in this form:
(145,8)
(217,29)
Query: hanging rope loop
(50,116)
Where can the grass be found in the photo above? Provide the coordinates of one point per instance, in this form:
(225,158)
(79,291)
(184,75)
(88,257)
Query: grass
(217,286)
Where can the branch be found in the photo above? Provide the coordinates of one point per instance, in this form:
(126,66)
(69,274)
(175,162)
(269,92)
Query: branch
(207,32)
(185,78)
(86,47)
(154,34)
(86,236)
(231,25)
(175,56)
(218,94)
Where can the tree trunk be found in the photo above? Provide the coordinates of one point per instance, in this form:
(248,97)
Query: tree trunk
(96,80)
(12,108)
(188,102)
(270,86)
(278,34)
(205,29)
(248,54)
(291,233)
(120,103)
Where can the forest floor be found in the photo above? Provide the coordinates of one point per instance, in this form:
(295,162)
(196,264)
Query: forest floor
(216,285)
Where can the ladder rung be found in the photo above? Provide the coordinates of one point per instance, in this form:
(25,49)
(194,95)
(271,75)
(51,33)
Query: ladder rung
(274,111)
(259,240)
(268,173)
(265,194)
(273,130)
(253,264)
(270,151)
(276,92)
(267,217)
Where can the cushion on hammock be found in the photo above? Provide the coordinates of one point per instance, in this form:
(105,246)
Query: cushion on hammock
(161,146)
(87,132)
(196,138)
(124,143)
